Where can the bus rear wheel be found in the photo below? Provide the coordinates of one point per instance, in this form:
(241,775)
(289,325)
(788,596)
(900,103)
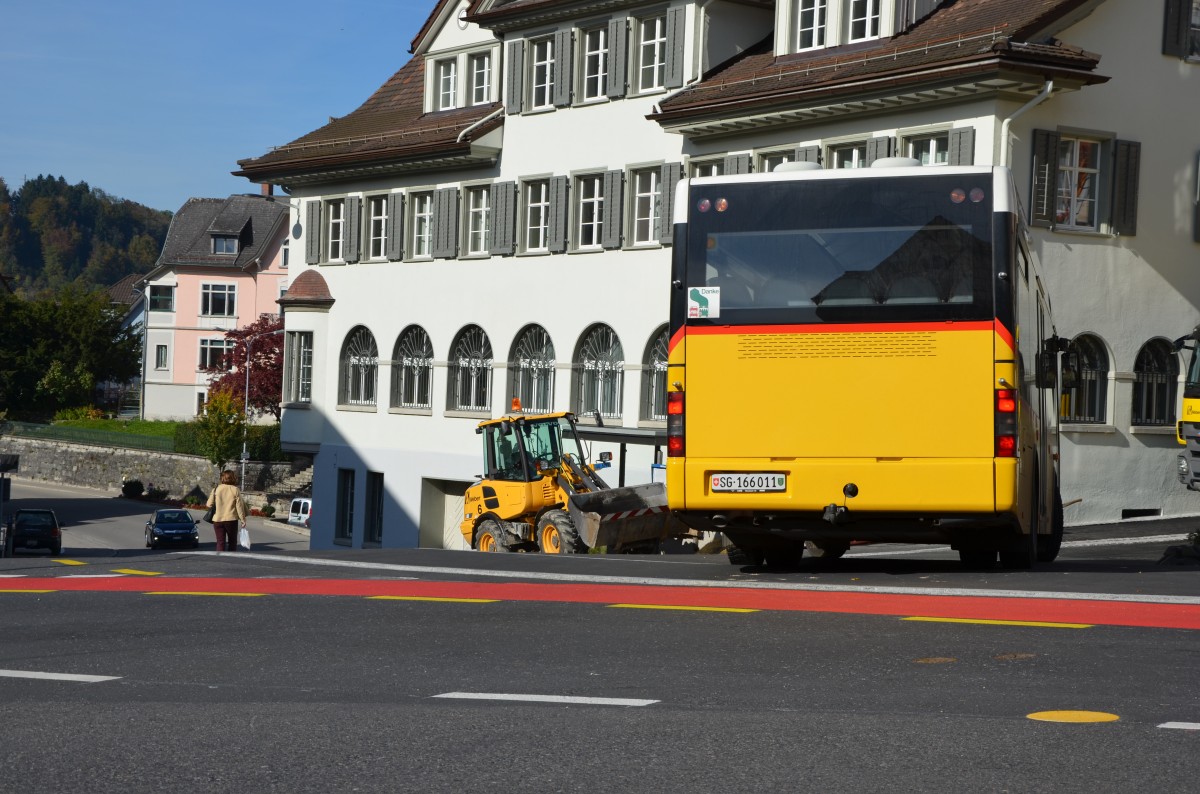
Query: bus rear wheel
(826,549)
(1048,546)
(982,559)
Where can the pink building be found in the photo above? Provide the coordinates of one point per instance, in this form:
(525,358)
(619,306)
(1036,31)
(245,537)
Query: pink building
(223,265)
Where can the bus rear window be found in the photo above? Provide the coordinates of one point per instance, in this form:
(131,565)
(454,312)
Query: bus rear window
(886,249)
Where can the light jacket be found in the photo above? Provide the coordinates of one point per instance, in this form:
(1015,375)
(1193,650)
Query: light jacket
(228,504)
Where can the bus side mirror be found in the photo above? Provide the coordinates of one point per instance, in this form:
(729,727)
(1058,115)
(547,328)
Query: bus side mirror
(1046,365)
(1070,370)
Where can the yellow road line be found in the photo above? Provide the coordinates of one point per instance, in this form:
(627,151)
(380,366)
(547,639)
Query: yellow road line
(69,562)
(135,572)
(683,608)
(431,598)
(1073,716)
(199,593)
(1005,623)
(27,591)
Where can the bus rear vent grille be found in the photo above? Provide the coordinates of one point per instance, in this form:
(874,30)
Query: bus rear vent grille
(861,345)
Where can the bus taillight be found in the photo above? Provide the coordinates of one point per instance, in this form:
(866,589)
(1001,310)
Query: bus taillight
(675,424)
(1006,423)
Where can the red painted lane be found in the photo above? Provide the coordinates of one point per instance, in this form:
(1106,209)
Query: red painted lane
(1052,610)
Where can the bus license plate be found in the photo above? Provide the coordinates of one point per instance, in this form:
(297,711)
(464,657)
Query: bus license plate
(746,482)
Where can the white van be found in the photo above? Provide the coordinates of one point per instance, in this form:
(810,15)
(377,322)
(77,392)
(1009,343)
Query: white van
(300,512)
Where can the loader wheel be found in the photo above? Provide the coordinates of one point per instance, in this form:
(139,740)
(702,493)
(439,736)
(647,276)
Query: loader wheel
(490,537)
(556,534)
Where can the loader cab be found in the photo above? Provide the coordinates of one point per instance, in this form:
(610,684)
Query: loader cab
(521,449)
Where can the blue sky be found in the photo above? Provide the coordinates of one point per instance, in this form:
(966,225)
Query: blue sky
(156,100)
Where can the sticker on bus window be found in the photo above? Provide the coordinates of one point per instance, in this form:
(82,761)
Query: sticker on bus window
(704,302)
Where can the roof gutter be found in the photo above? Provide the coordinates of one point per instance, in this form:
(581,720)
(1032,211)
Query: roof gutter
(1042,96)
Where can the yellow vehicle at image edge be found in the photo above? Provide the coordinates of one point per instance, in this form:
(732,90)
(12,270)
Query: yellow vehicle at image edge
(1187,429)
(863,355)
(540,493)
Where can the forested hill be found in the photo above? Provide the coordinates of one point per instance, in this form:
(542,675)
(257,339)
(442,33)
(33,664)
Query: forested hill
(53,234)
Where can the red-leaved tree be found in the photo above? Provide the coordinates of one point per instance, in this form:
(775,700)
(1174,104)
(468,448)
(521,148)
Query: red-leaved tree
(266,366)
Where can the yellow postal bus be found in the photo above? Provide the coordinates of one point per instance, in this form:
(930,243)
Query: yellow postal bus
(862,355)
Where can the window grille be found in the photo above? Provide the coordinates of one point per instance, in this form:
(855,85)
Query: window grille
(1155,377)
(599,374)
(359,368)
(470,369)
(1087,403)
(531,370)
(412,369)
(654,379)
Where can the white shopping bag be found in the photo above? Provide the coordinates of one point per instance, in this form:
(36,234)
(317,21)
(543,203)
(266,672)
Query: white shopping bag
(244,539)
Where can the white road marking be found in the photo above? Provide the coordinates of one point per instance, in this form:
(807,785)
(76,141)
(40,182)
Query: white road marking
(547,699)
(720,583)
(83,679)
(1182,726)
(13,575)
(1067,544)
(91,576)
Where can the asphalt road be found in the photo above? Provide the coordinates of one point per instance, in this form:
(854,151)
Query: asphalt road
(293,680)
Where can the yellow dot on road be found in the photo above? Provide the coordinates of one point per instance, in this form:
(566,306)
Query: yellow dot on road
(1073,716)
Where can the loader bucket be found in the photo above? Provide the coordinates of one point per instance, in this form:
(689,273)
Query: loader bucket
(620,515)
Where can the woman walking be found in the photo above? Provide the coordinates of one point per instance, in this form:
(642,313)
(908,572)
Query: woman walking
(228,509)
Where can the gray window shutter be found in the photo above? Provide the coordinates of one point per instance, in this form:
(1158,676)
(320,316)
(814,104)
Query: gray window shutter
(1125,187)
(737,164)
(1176,24)
(503,223)
(618,57)
(560,215)
(668,181)
(562,68)
(878,148)
(676,37)
(962,146)
(353,228)
(445,223)
(394,242)
(312,234)
(614,208)
(808,154)
(514,71)
(1043,198)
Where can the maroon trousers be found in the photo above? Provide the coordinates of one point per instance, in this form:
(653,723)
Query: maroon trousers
(227,532)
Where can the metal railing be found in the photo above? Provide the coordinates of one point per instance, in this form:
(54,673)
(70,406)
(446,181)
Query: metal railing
(83,435)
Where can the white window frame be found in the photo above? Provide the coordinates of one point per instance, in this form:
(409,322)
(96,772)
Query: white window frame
(715,167)
(931,149)
(299,366)
(767,161)
(589,212)
(478,219)
(652,53)
(593,64)
(541,73)
(535,230)
(210,348)
(420,224)
(857,150)
(335,229)
(209,294)
(225,244)
(1071,197)
(377,220)
(811,24)
(479,72)
(645,205)
(867,17)
(162,358)
(446,78)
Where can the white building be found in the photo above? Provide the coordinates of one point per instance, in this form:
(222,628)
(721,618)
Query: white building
(491,222)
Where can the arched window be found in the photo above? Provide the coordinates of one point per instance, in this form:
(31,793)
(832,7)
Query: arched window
(1155,376)
(359,368)
(599,373)
(1087,403)
(470,370)
(531,370)
(654,378)
(412,369)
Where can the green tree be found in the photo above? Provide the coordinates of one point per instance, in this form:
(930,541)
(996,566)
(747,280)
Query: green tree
(219,430)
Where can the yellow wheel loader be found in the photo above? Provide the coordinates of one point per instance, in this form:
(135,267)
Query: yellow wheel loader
(540,493)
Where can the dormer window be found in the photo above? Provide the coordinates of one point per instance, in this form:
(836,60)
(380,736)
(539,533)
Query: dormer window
(447,84)
(224,244)
(817,24)
(460,80)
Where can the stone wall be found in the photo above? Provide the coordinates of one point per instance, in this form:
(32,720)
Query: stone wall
(106,468)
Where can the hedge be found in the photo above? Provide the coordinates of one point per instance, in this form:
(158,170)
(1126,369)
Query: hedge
(262,442)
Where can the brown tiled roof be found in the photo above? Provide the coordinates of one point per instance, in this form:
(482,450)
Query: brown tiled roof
(125,291)
(388,127)
(307,289)
(967,34)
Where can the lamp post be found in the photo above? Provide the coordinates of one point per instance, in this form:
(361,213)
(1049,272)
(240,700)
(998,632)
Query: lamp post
(246,395)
